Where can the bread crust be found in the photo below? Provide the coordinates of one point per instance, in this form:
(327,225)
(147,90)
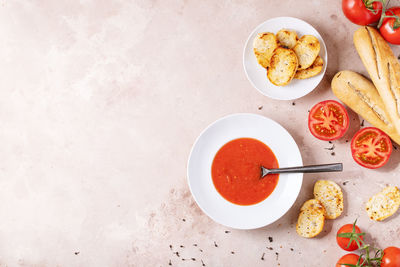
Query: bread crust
(307,50)
(360,94)
(264,46)
(287,38)
(384,204)
(383,68)
(330,195)
(311,71)
(311,219)
(283,66)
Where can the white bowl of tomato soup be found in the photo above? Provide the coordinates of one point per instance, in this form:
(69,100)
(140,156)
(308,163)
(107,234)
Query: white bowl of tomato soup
(224,167)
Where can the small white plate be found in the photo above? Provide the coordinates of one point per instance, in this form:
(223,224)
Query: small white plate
(199,171)
(257,75)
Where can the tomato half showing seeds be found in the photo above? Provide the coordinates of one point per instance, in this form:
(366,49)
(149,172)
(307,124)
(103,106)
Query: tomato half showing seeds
(390,28)
(391,257)
(362,12)
(348,236)
(371,148)
(328,120)
(351,258)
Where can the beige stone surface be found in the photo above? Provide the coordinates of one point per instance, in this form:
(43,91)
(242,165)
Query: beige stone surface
(100,103)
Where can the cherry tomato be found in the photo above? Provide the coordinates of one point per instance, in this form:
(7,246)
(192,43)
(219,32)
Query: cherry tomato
(361,12)
(371,148)
(390,28)
(391,257)
(354,233)
(350,258)
(328,120)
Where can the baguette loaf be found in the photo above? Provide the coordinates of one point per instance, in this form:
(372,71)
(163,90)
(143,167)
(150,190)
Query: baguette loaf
(361,96)
(383,68)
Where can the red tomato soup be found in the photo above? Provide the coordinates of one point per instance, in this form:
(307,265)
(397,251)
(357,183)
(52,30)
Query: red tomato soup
(236,171)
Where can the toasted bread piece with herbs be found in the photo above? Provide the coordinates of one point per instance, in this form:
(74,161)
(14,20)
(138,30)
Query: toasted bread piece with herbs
(384,204)
(263,46)
(282,67)
(307,50)
(287,38)
(311,71)
(311,219)
(330,195)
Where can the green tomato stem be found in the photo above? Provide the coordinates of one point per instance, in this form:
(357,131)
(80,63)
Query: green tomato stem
(383,15)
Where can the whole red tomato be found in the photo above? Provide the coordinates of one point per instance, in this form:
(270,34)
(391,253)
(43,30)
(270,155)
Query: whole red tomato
(351,258)
(390,28)
(391,257)
(348,235)
(362,12)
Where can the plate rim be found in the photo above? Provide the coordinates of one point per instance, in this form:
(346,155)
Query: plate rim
(190,156)
(264,93)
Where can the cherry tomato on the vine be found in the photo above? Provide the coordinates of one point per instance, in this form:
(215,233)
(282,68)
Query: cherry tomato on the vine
(391,257)
(349,237)
(390,28)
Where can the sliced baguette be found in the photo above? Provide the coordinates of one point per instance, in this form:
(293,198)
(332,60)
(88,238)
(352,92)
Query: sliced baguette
(263,46)
(307,50)
(330,195)
(287,38)
(311,219)
(360,95)
(283,66)
(384,204)
(383,68)
(311,71)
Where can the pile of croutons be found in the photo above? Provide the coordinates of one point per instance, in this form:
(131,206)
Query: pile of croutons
(285,56)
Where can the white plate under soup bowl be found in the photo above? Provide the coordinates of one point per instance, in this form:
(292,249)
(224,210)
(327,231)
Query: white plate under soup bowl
(199,171)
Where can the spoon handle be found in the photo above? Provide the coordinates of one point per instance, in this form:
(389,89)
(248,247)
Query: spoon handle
(334,167)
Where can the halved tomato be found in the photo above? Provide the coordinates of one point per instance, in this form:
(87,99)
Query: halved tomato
(371,148)
(328,120)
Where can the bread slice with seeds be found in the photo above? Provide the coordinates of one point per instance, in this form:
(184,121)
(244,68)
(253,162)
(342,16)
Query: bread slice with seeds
(282,67)
(307,50)
(263,46)
(384,204)
(287,38)
(311,219)
(330,195)
(311,71)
